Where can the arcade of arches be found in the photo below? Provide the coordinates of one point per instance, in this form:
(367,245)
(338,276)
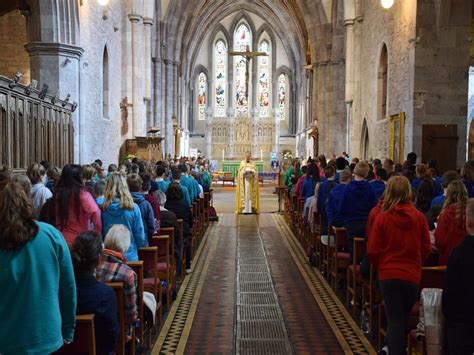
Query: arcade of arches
(159,79)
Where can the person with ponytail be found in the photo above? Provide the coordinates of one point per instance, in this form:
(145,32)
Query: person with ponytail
(73,209)
(398,244)
(451,226)
(94,296)
(38,291)
(119,208)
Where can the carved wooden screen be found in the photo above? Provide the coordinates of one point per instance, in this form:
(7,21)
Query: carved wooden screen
(34,127)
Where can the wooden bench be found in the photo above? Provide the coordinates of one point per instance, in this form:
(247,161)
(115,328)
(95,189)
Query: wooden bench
(84,337)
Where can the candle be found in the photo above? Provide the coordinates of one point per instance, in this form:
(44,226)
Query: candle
(261,154)
(223,154)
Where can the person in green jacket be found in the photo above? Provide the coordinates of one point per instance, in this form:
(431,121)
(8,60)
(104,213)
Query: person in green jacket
(37,286)
(293,171)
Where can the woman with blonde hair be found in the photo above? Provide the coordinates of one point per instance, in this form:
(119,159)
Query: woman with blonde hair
(119,208)
(398,244)
(451,228)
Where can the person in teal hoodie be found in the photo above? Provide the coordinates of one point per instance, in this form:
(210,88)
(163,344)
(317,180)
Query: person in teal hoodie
(162,182)
(119,208)
(38,290)
(177,177)
(187,182)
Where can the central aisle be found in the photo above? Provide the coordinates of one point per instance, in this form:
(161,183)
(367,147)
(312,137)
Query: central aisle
(252,292)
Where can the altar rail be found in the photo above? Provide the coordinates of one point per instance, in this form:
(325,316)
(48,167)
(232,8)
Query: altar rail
(34,126)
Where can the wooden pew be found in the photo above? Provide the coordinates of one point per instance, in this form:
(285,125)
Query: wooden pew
(340,258)
(84,337)
(354,278)
(165,246)
(118,289)
(137,266)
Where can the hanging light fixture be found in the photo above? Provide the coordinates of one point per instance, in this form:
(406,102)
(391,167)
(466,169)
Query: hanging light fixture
(387,4)
(103,2)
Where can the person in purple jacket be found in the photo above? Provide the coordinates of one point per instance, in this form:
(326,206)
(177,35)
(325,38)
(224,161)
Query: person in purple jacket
(357,201)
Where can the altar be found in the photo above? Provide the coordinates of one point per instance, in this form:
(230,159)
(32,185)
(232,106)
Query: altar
(232,166)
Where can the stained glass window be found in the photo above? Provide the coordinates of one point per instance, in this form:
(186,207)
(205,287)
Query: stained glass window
(220,70)
(264,73)
(242,42)
(202,96)
(282,97)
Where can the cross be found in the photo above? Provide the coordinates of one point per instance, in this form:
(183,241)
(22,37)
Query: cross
(248,55)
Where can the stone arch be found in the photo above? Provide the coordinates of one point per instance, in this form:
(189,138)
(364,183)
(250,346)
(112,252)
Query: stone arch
(240,17)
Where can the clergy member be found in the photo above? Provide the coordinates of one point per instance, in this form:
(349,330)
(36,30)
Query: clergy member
(247,194)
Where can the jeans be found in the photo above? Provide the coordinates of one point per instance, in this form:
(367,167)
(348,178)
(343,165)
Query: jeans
(355,229)
(399,297)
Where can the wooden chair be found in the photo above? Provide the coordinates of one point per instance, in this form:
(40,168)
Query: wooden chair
(118,289)
(202,220)
(163,243)
(326,253)
(172,234)
(207,204)
(354,278)
(180,235)
(84,337)
(431,277)
(137,266)
(194,230)
(340,258)
(151,282)
(370,299)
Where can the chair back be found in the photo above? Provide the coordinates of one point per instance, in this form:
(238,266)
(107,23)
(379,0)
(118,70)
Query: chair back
(432,277)
(137,266)
(171,233)
(340,239)
(432,259)
(84,337)
(118,289)
(359,250)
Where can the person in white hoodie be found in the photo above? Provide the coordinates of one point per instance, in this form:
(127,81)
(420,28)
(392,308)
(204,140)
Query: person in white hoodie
(39,192)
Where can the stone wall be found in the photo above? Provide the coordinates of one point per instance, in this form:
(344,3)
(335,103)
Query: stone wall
(101,136)
(395,28)
(13,56)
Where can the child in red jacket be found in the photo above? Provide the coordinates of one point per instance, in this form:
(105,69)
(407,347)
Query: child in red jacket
(398,243)
(451,228)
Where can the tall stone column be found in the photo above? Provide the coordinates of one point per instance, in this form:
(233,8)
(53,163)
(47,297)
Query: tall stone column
(137,85)
(349,24)
(169,113)
(147,26)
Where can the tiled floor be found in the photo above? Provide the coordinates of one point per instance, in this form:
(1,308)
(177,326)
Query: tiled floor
(252,292)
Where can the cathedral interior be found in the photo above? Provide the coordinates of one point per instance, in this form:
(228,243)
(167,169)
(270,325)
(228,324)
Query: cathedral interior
(113,80)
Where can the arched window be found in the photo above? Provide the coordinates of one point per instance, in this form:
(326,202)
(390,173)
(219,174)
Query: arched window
(105,84)
(282,107)
(382,84)
(365,148)
(264,79)
(202,96)
(242,42)
(220,72)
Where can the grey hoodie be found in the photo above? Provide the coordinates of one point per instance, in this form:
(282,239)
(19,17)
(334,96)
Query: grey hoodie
(39,195)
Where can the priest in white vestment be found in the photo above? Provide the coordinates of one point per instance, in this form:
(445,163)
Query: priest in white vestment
(247,193)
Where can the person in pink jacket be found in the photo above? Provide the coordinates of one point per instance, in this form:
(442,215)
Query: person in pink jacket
(72,208)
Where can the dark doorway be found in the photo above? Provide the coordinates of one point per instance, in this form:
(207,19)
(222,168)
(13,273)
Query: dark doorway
(440,142)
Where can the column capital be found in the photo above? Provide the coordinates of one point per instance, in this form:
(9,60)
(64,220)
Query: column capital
(148,21)
(135,17)
(349,22)
(42,48)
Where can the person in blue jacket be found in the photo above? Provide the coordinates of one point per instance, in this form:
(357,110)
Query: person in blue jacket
(119,208)
(334,199)
(447,178)
(134,182)
(378,183)
(325,188)
(357,201)
(309,184)
(94,296)
(37,286)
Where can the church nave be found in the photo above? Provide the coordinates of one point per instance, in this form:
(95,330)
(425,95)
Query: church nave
(253,291)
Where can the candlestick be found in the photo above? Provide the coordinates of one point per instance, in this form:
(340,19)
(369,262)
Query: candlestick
(261,154)
(223,154)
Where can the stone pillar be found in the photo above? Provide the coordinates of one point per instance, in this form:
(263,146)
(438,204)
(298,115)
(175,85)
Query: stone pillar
(58,66)
(349,24)
(157,92)
(169,132)
(147,25)
(137,84)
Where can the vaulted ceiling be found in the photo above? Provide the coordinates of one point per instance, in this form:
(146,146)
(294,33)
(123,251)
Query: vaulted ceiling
(299,24)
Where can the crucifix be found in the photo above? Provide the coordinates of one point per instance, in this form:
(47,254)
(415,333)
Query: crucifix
(248,55)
